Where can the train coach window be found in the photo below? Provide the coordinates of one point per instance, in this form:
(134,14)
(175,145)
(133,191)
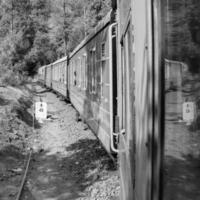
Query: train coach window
(82,72)
(74,73)
(90,71)
(86,71)
(102,70)
(103,53)
(94,75)
(79,72)
(182,100)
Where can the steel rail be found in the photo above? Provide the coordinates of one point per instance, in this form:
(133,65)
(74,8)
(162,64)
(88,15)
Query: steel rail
(24,177)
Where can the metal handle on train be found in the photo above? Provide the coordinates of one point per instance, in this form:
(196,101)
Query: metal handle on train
(114,149)
(122,132)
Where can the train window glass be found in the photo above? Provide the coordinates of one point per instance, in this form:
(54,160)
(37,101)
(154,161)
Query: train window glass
(102,69)
(103,53)
(90,71)
(79,72)
(182,99)
(86,71)
(94,80)
(83,71)
(123,89)
(56,73)
(60,72)
(71,75)
(76,73)
(63,72)
(65,66)
(107,74)
(53,73)
(81,63)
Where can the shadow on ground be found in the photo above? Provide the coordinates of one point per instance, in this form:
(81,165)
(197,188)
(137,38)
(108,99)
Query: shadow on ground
(11,167)
(181,178)
(59,177)
(3,101)
(24,113)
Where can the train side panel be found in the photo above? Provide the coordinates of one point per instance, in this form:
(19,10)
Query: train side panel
(48,76)
(40,75)
(90,85)
(126,99)
(59,76)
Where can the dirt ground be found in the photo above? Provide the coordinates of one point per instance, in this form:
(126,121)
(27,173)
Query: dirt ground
(68,162)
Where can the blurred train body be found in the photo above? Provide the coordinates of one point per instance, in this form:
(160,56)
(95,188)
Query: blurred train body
(90,85)
(41,75)
(48,76)
(86,78)
(135,82)
(59,81)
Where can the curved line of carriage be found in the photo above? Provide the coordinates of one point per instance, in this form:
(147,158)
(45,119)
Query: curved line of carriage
(85,77)
(113,78)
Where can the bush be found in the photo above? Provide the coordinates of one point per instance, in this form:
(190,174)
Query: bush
(13,78)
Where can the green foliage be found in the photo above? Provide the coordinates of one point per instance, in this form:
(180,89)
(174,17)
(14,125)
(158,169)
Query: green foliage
(37,32)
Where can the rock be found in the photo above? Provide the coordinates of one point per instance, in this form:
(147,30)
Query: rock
(41,150)
(18,170)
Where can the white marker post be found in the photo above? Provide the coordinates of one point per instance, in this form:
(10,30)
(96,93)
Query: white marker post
(189,112)
(40,111)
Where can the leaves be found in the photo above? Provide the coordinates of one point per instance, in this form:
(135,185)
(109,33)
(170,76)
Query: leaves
(37,32)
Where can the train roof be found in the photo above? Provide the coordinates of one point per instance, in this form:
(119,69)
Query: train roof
(41,67)
(60,60)
(104,22)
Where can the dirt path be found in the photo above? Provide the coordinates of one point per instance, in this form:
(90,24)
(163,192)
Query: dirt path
(68,161)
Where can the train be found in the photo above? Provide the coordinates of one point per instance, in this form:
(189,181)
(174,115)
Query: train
(135,82)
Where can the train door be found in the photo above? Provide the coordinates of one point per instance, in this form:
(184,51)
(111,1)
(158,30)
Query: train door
(113,88)
(126,102)
(51,76)
(137,100)
(67,80)
(167,72)
(45,76)
(181,92)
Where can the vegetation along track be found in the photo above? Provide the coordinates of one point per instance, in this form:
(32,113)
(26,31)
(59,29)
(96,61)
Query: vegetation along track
(67,162)
(25,176)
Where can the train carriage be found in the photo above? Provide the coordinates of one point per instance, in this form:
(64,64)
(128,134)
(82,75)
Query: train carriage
(91,67)
(159,93)
(48,76)
(138,80)
(59,77)
(41,75)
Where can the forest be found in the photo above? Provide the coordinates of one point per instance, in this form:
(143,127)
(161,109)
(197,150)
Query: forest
(37,32)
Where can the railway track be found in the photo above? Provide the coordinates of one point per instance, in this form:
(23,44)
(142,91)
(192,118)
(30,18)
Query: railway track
(19,195)
(48,166)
